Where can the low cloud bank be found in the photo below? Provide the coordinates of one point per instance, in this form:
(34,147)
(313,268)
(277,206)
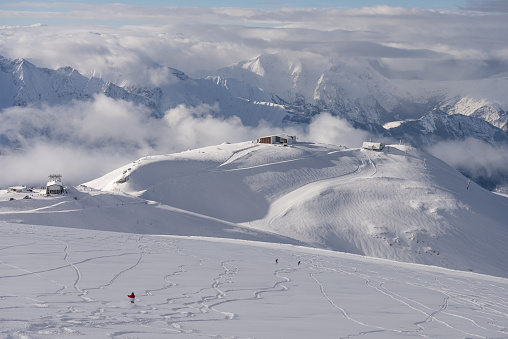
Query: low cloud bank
(433,44)
(85,140)
(484,163)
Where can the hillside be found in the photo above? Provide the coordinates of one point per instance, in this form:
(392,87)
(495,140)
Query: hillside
(66,282)
(400,204)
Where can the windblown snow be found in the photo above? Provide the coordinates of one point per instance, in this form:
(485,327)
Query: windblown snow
(196,234)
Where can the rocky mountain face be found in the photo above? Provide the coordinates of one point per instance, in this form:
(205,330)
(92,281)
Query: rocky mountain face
(285,91)
(356,91)
(25,84)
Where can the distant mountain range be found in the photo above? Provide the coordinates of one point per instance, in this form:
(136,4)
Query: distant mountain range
(286,91)
(281,90)
(426,111)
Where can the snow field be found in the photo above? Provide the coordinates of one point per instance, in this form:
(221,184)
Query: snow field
(67,282)
(400,204)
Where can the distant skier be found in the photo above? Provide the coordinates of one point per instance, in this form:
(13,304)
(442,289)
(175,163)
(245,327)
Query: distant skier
(276,261)
(298,262)
(132,297)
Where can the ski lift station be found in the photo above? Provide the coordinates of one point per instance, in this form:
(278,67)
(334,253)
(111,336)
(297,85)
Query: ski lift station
(16,189)
(277,139)
(373,146)
(54,185)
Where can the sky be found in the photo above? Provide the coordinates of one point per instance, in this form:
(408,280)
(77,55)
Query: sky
(115,13)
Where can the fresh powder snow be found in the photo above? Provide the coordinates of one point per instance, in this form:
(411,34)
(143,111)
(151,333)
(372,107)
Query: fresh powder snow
(210,241)
(65,282)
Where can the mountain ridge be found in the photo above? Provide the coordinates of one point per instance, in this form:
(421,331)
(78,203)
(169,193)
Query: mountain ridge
(280,92)
(400,204)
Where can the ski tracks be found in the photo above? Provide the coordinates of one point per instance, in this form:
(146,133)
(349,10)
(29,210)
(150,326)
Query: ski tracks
(226,277)
(441,315)
(202,304)
(285,203)
(344,312)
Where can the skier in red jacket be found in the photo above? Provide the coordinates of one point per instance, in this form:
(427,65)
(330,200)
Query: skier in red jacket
(132,297)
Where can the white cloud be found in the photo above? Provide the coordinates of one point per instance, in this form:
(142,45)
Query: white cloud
(325,128)
(476,158)
(84,140)
(191,39)
(77,165)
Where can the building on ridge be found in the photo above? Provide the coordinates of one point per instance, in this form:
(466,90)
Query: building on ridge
(54,185)
(373,146)
(277,139)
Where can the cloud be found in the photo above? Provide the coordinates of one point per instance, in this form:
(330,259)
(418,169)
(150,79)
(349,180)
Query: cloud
(485,163)
(326,128)
(84,140)
(491,6)
(191,39)
(77,165)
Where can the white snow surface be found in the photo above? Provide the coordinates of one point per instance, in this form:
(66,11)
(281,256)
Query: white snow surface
(196,234)
(67,282)
(400,204)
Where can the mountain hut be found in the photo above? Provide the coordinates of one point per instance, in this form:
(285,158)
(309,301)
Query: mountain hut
(373,146)
(17,189)
(277,139)
(54,185)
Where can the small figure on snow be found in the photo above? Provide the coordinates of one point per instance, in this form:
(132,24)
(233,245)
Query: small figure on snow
(132,297)
(276,261)
(298,262)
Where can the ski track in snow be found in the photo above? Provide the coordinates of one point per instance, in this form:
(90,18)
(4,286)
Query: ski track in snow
(47,209)
(205,287)
(283,204)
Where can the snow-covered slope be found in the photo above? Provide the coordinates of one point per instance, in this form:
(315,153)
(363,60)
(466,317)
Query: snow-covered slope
(85,208)
(400,204)
(65,282)
(210,240)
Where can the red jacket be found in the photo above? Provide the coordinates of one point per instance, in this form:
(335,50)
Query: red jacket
(131,295)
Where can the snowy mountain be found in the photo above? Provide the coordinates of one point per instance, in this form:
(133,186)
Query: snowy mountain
(230,240)
(439,126)
(359,92)
(25,84)
(399,204)
(325,196)
(281,90)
